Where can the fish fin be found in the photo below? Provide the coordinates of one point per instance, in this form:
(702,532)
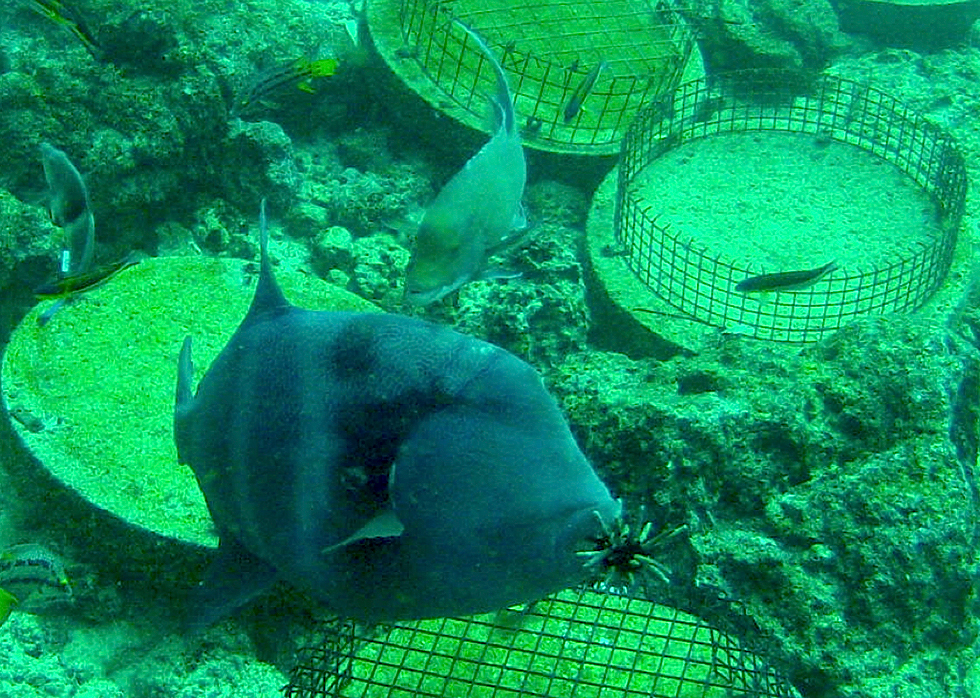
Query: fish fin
(498,273)
(185,374)
(81,240)
(234,578)
(7,603)
(184,396)
(268,296)
(353,31)
(45,317)
(520,218)
(384,525)
(517,237)
(496,115)
(503,100)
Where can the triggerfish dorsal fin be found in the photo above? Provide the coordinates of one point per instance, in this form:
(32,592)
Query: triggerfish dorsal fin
(268,296)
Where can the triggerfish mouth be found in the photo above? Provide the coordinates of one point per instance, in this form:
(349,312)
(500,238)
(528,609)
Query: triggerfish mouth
(389,466)
(478,213)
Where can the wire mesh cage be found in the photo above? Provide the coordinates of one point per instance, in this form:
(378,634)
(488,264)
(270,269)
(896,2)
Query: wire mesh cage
(580,69)
(578,643)
(700,272)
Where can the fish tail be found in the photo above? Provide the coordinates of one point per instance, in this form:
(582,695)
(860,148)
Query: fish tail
(323,67)
(504,99)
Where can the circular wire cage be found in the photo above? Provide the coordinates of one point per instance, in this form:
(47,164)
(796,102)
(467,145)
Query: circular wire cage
(699,280)
(578,643)
(580,70)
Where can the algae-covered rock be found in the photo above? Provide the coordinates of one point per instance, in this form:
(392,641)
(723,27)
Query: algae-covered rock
(332,249)
(379,264)
(262,163)
(821,487)
(736,35)
(29,243)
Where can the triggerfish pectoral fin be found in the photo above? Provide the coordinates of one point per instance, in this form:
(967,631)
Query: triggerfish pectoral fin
(385,525)
(234,578)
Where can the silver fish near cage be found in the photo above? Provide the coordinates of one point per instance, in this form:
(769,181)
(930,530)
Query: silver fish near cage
(393,468)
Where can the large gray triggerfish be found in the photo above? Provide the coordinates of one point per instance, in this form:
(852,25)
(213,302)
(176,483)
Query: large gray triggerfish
(393,468)
(478,213)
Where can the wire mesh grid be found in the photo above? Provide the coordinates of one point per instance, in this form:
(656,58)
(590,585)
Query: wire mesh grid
(578,643)
(629,51)
(700,282)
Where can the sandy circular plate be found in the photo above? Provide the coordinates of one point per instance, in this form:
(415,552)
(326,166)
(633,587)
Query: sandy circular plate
(91,393)
(548,50)
(780,209)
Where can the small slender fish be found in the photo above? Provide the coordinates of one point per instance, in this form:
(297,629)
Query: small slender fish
(584,89)
(83,281)
(68,18)
(266,85)
(32,579)
(785,280)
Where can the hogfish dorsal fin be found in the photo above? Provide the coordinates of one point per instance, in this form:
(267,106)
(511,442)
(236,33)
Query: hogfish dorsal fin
(268,296)
(504,101)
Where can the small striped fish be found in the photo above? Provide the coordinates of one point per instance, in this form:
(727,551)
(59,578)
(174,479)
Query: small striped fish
(32,579)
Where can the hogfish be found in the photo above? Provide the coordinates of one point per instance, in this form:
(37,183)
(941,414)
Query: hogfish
(478,213)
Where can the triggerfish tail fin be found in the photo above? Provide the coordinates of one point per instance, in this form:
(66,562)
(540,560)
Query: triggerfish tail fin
(504,100)
(234,578)
(7,603)
(268,295)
